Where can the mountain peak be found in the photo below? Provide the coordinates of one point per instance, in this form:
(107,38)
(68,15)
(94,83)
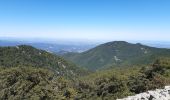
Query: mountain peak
(117,53)
(118,42)
(28,56)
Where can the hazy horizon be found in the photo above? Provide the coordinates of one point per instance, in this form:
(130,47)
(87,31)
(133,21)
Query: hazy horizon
(6,41)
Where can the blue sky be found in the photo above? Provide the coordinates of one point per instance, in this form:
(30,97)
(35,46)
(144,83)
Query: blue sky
(103,20)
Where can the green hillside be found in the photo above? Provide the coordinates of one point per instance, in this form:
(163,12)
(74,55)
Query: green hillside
(117,53)
(22,83)
(120,82)
(30,83)
(24,55)
(29,73)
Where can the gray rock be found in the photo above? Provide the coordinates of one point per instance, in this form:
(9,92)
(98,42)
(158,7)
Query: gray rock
(158,94)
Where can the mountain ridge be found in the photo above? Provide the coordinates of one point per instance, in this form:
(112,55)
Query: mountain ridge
(28,56)
(117,53)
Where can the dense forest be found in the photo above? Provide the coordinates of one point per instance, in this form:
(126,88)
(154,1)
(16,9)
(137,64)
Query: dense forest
(30,73)
(24,55)
(117,54)
(42,84)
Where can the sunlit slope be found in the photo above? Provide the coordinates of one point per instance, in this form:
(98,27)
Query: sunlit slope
(24,55)
(118,53)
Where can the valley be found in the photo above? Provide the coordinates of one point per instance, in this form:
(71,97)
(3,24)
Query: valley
(84,49)
(27,72)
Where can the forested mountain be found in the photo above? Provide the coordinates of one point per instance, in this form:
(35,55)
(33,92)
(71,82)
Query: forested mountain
(120,82)
(29,56)
(18,83)
(30,73)
(117,53)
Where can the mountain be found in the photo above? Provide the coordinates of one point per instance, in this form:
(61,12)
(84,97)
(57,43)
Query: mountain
(117,53)
(27,56)
(122,82)
(30,73)
(38,83)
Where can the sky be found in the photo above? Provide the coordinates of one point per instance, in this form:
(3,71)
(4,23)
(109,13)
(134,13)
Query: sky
(96,20)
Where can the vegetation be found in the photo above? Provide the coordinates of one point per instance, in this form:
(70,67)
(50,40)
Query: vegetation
(43,84)
(119,82)
(36,75)
(28,56)
(31,83)
(118,53)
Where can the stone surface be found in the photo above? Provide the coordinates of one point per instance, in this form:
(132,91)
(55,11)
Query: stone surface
(158,94)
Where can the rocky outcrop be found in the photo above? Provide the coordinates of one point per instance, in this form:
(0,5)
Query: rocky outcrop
(158,94)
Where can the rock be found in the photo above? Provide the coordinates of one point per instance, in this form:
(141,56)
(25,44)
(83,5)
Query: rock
(158,94)
(167,87)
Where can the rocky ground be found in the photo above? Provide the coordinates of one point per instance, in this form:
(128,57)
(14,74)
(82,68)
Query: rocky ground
(158,94)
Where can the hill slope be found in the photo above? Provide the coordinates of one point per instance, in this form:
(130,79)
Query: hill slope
(29,56)
(117,53)
(18,83)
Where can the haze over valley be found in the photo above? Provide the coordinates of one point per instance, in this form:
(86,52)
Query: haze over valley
(84,50)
